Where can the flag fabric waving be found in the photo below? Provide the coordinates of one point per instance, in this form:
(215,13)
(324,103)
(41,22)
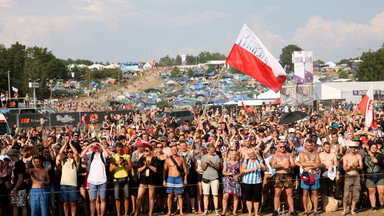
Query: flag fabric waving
(250,56)
(15,89)
(245,108)
(367,106)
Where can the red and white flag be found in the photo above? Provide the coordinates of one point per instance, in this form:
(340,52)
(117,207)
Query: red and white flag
(250,56)
(367,106)
(244,107)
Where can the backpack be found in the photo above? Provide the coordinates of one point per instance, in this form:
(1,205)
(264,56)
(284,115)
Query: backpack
(101,155)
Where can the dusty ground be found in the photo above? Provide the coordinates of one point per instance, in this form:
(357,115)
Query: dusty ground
(133,85)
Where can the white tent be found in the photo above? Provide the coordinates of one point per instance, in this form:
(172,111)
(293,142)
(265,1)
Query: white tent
(147,66)
(331,64)
(269,95)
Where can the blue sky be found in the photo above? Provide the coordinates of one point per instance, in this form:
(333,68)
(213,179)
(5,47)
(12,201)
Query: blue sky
(131,30)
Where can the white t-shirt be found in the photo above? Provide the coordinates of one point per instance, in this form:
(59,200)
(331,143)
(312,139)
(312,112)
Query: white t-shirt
(97,173)
(267,159)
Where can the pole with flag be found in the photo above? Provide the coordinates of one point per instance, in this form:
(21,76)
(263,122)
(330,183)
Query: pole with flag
(250,56)
(367,106)
(244,107)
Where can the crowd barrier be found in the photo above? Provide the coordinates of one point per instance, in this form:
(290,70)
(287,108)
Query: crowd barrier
(190,185)
(60,119)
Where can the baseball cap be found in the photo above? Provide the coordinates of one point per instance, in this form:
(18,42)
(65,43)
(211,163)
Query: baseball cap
(365,140)
(291,130)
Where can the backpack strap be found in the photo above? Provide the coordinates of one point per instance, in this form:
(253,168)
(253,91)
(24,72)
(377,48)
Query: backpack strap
(101,155)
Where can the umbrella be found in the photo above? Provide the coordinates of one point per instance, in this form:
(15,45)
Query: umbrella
(144,143)
(292,117)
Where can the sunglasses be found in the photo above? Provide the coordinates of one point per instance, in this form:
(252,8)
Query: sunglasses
(233,150)
(70,152)
(159,146)
(147,150)
(355,147)
(281,146)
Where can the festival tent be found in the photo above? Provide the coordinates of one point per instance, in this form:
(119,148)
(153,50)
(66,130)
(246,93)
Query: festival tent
(147,66)
(269,95)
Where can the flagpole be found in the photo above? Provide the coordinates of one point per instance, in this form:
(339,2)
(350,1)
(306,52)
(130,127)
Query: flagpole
(214,86)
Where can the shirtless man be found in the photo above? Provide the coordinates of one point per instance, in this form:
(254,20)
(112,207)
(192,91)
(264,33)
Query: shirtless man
(283,162)
(328,160)
(244,149)
(175,183)
(310,162)
(38,196)
(352,164)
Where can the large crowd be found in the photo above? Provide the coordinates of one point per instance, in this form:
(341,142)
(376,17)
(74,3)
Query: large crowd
(222,162)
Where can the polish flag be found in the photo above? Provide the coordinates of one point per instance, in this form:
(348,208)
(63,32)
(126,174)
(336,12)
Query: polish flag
(245,108)
(367,106)
(250,56)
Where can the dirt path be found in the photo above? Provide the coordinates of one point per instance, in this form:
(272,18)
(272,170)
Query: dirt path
(133,85)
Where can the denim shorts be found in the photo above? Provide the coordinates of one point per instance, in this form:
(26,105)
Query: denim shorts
(69,193)
(102,189)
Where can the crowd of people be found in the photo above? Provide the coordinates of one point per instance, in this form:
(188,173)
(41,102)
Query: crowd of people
(222,162)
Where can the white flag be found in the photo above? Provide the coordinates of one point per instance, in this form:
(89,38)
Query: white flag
(15,89)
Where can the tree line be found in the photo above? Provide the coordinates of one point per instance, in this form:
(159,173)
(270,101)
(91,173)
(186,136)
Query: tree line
(27,64)
(203,57)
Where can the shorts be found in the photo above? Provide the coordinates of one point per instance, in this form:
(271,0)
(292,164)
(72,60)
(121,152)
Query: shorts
(117,187)
(212,185)
(352,183)
(369,182)
(253,192)
(175,184)
(267,183)
(283,180)
(327,186)
(199,177)
(51,196)
(191,191)
(68,193)
(101,189)
(315,186)
(38,198)
(19,199)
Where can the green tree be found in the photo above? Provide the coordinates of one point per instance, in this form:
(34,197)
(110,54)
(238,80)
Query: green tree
(286,57)
(190,72)
(175,72)
(372,66)
(163,104)
(320,62)
(43,65)
(178,60)
(235,71)
(167,61)
(343,75)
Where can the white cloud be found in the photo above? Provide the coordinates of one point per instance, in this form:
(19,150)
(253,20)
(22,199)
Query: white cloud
(7,3)
(330,40)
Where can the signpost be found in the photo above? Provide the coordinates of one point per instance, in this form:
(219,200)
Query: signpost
(34,85)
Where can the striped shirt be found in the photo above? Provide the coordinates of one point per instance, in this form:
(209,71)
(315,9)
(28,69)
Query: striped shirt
(253,177)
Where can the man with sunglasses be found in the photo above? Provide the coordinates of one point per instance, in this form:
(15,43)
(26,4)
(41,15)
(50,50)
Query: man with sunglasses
(283,163)
(310,161)
(352,164)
